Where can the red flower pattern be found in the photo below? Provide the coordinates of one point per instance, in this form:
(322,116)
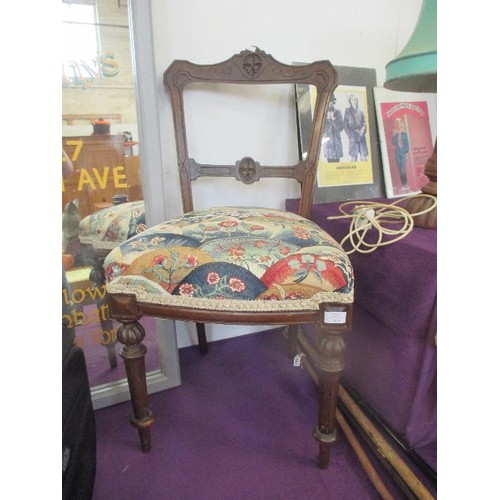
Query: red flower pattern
(236,285)
(301,233)
(190,260)
(186,289)
(260,244)
(213,278)
(237,251)
(159,260)
(228,223)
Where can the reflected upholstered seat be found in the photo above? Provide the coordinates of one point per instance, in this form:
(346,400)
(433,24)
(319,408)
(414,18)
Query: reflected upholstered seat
(107,228)
(238,265)
(102,231)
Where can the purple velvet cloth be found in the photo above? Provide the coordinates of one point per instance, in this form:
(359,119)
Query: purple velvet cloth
(391,353)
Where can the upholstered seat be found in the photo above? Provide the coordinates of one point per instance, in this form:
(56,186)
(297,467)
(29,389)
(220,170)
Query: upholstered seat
(227,258)
(238,264)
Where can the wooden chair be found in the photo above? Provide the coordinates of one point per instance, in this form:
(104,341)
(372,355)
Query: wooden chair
(238,265)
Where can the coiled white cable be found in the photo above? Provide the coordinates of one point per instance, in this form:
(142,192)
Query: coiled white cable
(368,215)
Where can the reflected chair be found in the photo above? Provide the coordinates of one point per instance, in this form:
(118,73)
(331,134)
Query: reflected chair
(102,231)
(238,265)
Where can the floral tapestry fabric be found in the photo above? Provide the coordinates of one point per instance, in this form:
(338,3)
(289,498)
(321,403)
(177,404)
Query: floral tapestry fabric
(111,226)
(206,258)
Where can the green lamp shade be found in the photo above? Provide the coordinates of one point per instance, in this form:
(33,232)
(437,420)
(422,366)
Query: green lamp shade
(415,68)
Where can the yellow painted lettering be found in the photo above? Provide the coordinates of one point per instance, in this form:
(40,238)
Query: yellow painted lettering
(98,291)
(118,177)
(78,317)
(101,180)
(104,312)
(78,295)
(85,179)
(65,296)
(106,337)
(68,320)
(93,316)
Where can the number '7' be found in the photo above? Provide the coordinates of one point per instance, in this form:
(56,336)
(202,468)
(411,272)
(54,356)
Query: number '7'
(76,152)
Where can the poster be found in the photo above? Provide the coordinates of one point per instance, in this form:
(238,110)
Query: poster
(407,123)
(345,157)
(342,175)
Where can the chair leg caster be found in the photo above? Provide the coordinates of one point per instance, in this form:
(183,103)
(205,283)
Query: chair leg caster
(325,442)
(143,425)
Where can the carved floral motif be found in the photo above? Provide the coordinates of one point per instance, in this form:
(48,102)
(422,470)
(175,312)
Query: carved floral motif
(247,170)
(252,64)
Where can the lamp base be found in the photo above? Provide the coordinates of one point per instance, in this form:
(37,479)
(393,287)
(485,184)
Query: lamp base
(427,220)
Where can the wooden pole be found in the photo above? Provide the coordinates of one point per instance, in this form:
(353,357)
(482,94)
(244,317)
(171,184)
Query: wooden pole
(385,448)
(363,458)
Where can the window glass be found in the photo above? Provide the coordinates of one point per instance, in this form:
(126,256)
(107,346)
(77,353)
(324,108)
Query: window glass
(80,46)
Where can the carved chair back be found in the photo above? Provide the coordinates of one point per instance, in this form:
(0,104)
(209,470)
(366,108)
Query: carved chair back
(250,68)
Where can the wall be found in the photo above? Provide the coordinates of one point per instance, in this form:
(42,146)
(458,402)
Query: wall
(362,33)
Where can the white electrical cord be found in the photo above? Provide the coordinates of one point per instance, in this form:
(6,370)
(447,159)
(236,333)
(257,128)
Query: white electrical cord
(368,215)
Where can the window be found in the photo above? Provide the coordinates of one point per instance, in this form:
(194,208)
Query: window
(80,43)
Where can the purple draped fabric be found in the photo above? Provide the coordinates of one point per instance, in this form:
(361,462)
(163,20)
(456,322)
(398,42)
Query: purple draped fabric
(391,353)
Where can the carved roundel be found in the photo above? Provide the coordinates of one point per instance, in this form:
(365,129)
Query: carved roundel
(252,64)
(247,170)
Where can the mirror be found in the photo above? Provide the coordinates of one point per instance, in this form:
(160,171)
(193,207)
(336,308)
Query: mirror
(102,189)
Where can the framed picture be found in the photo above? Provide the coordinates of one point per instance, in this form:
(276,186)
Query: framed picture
(349,167)
(407,130)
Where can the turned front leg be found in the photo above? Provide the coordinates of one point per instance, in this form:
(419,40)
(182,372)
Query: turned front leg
(133,351)
(330,364)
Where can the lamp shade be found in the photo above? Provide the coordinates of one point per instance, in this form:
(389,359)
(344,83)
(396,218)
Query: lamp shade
(415,68)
